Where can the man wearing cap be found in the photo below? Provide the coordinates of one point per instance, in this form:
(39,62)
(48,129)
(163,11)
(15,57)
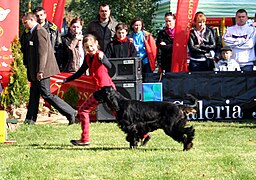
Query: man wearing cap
(242,37)
(226,63)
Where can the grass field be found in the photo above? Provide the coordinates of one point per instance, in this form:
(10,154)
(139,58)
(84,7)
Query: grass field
(221,151)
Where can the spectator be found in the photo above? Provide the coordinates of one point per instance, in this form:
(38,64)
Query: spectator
(41,64)
(226,63)
(98,66)
(165,42)
(201,45)
(145,45)
(121,47)
(103,28)
(73,47)
(242,37)
(52,29)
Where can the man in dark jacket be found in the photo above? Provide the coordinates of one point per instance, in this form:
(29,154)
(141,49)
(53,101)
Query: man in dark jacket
(53,31)
(103,28)
(41,64)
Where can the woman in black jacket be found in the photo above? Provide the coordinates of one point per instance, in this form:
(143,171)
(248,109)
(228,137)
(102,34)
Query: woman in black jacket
(164,42)
(201,45)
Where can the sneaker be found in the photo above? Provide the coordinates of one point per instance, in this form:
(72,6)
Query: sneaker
(79,143)
(29,122)
(72,119)
(145,140)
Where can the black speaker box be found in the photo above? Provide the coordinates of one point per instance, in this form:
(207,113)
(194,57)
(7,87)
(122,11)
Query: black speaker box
(125,69)
(129,89)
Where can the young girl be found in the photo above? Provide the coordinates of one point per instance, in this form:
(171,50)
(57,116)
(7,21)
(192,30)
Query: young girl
(98,65)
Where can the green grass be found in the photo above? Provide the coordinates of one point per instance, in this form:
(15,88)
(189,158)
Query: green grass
(221,151)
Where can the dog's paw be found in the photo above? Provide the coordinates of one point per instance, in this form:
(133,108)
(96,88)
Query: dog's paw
(188,146)
(133,145)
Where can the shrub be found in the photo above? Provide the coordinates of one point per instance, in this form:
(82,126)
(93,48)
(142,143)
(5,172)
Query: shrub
(71,96)
(16,94)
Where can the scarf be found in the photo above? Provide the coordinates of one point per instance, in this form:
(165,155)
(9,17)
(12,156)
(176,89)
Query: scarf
(199,35)
(170,32)
(122,40)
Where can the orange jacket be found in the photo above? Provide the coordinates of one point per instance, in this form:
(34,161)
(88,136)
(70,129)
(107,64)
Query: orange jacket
(151,49)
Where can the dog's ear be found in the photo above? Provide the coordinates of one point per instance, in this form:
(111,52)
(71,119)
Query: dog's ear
(111,99)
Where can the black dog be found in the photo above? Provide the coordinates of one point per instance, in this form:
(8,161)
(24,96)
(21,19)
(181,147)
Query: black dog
(137,118)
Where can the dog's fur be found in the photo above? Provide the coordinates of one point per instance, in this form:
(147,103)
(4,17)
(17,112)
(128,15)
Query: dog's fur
(137,118)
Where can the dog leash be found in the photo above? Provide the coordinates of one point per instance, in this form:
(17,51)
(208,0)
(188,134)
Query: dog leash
(161,76)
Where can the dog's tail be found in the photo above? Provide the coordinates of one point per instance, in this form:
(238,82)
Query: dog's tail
(188,110)
(193,100)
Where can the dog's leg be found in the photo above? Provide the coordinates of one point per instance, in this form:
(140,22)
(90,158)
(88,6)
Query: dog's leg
(180,133)
(132,135)
(190,133)
(132,140)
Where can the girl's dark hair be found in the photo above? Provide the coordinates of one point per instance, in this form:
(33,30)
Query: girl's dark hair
(75,20)
(200,16)
(170,14)
(121,26)
(135,20)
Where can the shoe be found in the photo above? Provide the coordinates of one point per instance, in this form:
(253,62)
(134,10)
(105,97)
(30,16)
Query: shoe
(145,140)
(79,143)
(72,119)
(29,122)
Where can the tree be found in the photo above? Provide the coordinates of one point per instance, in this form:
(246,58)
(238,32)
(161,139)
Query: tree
(26,6)
(123,12)
(17,91)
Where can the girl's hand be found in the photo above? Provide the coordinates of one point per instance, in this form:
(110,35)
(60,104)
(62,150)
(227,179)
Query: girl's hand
(100,55)
(59,82)
(79,37)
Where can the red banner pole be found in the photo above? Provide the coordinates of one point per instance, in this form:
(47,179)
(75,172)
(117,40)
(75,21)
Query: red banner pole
(185,13)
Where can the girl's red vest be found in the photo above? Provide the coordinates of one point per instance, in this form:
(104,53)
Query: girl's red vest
(99,71)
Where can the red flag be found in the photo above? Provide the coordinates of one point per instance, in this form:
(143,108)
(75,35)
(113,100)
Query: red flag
(58,16)
(185,13)
(50,8)
(9,29)
(55,11)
